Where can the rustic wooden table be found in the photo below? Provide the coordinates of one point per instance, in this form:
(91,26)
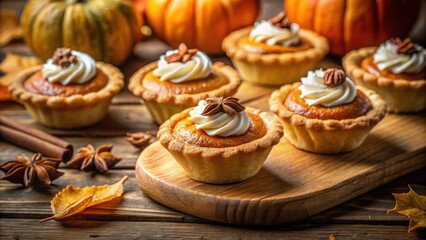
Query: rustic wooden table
(137,216)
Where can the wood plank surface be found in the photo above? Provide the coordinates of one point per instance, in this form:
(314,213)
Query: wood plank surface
(18,229)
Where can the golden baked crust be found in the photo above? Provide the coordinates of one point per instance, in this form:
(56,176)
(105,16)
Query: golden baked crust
(326,136)
(224,164)
(401,95)
(275,68)
(137,88)
(113,87)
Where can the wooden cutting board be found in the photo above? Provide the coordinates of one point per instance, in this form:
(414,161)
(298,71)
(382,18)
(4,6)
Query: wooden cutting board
(293,184)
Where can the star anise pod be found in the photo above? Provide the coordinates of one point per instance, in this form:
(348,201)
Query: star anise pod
(334,77)
(63,57)
(139,139)
(280,21)
(87,159)
(183,55)
(37,172)
(405,46)
(229,105)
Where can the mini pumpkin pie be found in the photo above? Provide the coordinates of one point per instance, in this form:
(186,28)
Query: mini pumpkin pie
(274,52)
(180,79)
(220,141)
(396,70)
(70,90)
(326,113)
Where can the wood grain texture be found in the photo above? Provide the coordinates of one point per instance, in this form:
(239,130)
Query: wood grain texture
(293,184)
(18,229)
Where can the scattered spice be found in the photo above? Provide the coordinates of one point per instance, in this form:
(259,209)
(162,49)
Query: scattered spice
(139,139)
(63,57)
(334,77)
(70,201)
(413,206)
(280,21)
(87,159)
(405,46)
(183,55)
(229,105)
(37,172)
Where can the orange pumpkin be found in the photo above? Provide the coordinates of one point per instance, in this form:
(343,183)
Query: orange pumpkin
(352,24)
(201,24)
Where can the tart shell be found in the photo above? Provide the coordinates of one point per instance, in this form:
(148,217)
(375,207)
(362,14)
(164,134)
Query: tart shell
(326,136)
(163,106)
(400,95)
(73,111)
(275,68)
(221,165)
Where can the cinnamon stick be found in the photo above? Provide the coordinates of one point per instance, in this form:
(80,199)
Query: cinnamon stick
(34,139)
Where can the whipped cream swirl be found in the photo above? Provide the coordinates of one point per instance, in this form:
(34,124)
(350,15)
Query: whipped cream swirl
(78,73)
(315,92)
(266,32)
(176,72)
(388,58)
(220,124)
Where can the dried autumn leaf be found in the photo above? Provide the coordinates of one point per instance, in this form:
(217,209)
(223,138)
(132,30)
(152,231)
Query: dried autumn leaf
(14,62)
(71,201)
(413,206)
(12,65)
(9,27)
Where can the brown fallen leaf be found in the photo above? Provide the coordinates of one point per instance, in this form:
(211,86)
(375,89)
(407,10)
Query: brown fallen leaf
(331,237)
(12,65)
(413,206)
(71,201)
(9,28)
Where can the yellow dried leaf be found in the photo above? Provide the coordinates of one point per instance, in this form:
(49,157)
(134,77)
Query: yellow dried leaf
(413,206)
(331,237)
(15,63)
(9,27)
(71,201)
(12,65)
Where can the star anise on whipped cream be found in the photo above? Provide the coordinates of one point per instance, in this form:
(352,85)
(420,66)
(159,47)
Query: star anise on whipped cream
(334,77)
(87,159)
(280,21)
(63,57)
(139,139)
(183,55)
(37,172)
(229,105)
(405,46)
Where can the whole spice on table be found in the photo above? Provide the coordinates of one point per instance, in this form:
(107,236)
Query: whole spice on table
(87,159)
(413,206)
(139,139)
(37,172)
(33,139)
(70,200)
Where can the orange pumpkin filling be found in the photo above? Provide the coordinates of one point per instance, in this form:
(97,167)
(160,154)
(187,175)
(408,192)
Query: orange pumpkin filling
(360,106)
(369,65)
(185,129)
(39,85)
(213,81)
(262,48)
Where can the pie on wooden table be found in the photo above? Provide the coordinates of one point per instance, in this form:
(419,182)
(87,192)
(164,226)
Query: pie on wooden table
(274,52)
(326,113)
(396,70)
(220,141)
(70,90)
(180,79)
